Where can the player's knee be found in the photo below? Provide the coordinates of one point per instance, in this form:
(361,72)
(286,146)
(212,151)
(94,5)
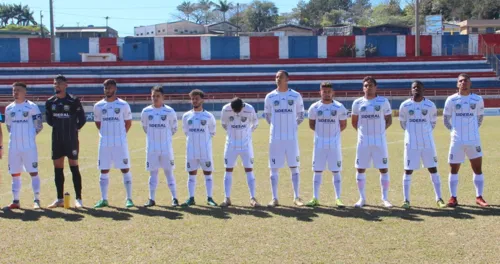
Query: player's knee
(207,173)
(16,175)
(361,170)
(125,170)
(383,170)
(408,172)
(248,169)
(433,170)
(294,170)
(229,169)
(72,163)
(33,174)
(104,171)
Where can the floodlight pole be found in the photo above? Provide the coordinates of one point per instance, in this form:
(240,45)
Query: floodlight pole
(417,30)
(52,37)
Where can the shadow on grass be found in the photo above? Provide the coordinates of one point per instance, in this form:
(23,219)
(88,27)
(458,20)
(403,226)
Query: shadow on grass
(105,213)
(300,213)
(150,211)
(250,211)
(215,212)
(35,215)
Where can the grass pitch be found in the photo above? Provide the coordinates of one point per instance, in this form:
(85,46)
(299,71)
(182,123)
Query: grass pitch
(243,234)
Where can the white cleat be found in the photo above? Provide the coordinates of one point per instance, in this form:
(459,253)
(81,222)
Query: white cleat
(78,203)
(360,203)
(386,203)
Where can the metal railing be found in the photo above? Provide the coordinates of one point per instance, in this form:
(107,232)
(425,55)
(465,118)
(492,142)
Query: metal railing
(491,53)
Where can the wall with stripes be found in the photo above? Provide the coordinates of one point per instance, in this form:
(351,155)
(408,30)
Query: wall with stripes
(237,48)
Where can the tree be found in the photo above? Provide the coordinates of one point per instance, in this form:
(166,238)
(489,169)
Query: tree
(334,17)
(261,15)
(22,14)
(203,10)
(223,6)
(288,18)
(187,8)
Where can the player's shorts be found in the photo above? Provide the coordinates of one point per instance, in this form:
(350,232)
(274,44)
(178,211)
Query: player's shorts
(412,158)
(68,149)
(204,164)
(368,155)
(279,150)
(113,157)
(322,157)
(459,150)
(158,160)
(23,160)
(231,156)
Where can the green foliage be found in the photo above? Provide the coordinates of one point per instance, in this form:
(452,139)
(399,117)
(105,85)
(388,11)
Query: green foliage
(261,15)
(371,51)
(347,50)
(14,27)
(334,17)
(17,14)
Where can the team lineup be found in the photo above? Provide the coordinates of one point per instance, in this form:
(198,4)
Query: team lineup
(284,110)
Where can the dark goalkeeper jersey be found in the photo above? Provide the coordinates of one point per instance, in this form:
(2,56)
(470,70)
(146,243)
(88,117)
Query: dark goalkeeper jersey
(66,116)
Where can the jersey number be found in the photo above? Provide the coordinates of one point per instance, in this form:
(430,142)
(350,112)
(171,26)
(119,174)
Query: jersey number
(274,161)
(408,163)
(188,165)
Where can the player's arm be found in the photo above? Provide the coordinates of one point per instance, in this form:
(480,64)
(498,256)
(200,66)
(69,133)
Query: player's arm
(1,138)
(343,118)
(211,125)
(300,110)
(480,113)
(97,117)
(48,113)
(8,121)
(37,119)
(447,113)
(255,120)
(268,108)
(434,116)
(387,114)
(311,113)
(127,116)
(355,115)
(184,124)
(402,117)
(144,122)
(80,114)
(173,123)
(223,117)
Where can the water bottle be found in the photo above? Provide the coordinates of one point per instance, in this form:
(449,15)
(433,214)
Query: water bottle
(66,200)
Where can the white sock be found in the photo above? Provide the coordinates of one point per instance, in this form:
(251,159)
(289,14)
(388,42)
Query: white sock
(191,185)
(127,182)
(436,181)
(172,186)
(479,183)
(104,183)
(384,185)
(153,183)
(274,182)
(361,180)
(317,178)
(453,184)
(16,187)
(35,185)
(228,182)
(251,183)
(209,183)
(406,186)
(295,182)
(337,184)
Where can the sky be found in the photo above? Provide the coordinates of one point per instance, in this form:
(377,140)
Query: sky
(123,15)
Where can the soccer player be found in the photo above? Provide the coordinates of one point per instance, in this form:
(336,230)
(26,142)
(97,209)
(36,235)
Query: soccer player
(463,115)
(24,121)
(199,127)
(417,117)
(284,111)
(159,122)
(113,118)
(65,114)
(239,119)
(327,118)
(371,116)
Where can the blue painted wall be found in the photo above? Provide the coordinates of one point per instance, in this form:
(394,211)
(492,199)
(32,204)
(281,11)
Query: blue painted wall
(455,45)
(387,46)
(10,50)
(138,52)
(302,47)
(70,49)
(224,48)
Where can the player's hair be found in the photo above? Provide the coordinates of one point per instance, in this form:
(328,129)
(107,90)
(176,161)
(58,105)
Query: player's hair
(109,82)
(326,85)
(237,104)
(419,83)
(196,92)
(285,72)
(20,84)
(465,75)
(370,79)
(157,88)
(61,78)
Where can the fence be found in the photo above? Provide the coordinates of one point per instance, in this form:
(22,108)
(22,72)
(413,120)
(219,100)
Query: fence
(490,51)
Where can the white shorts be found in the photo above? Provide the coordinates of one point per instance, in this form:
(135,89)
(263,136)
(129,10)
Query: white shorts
(204,164)
(412,158)
(231,156)
(23,160)
(368,155)
(113,157)
(322,157)
(279,150)
(459,150)
(158,160)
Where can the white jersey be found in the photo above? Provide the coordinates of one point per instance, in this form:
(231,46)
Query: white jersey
(420,118)
(371,120)
(20,120)
(112,116)
(199,128)
(239,126)
(159,124)
(284,108)
(327,128)
(464,112)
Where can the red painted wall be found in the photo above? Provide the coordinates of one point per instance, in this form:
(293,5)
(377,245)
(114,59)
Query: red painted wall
(491,102)
(492,40)
(107,42)
(264,48)
(39,49)
(334,43)
(110,49)
(425,46)
(182,48)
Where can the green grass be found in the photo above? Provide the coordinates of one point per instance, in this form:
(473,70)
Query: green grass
(242,234)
